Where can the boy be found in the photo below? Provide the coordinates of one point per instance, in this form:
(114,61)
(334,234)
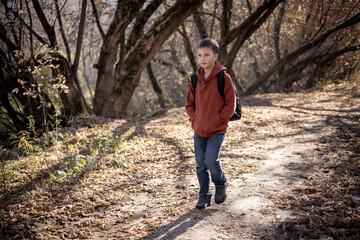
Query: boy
(209,116)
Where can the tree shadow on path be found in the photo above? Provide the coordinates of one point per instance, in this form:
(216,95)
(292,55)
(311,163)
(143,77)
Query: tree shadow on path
(180,225)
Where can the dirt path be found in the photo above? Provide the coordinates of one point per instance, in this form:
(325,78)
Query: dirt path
(142,184)
(282,133)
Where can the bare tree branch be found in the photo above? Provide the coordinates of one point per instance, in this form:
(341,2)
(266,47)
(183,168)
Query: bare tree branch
(16,15)
(188,49)
(140,22)
(199,23)
(96,15)
(67,48)
(295,54)
(49,30)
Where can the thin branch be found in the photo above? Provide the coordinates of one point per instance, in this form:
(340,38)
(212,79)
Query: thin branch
(67,48)
(188,49)
(96,15)
(31,36)
(49,30)
(207,13)
(12,46)
(16,15)
(168,64)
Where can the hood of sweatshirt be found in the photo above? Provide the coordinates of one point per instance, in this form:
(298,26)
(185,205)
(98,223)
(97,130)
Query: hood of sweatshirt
(216,69)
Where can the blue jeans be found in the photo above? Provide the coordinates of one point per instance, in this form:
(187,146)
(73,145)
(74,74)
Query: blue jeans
(207,151)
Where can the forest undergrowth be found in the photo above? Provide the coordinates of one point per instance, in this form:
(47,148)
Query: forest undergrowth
(103,178)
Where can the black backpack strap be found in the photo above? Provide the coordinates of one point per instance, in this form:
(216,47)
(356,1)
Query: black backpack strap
(194,81)
(221,83)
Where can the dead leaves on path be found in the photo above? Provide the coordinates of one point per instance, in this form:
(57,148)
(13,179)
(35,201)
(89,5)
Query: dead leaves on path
(142,175)
(327,206)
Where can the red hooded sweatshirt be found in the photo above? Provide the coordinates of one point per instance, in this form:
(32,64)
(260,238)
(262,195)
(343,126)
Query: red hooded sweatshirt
(208,112)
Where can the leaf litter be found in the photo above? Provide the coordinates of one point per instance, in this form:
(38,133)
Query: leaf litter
(138,176)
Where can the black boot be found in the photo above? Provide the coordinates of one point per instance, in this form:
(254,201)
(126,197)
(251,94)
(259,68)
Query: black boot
(204,200)
(220,193)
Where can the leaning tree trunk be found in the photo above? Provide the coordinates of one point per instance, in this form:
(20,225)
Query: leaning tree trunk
(310,83)
(300,51)
(139,57)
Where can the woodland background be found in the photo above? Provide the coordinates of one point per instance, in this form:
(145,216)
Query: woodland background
(92,125)
(60,59)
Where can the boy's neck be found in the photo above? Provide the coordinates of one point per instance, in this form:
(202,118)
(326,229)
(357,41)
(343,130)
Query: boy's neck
(207,71)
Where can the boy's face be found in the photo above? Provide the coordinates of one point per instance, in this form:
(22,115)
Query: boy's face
(207,57)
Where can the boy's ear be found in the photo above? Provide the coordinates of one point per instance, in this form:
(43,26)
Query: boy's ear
(216,56)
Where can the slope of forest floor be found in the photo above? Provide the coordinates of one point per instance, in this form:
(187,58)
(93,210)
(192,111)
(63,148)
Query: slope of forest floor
(293,164)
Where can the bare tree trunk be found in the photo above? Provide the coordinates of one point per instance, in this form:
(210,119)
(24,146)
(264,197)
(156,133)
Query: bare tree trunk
(156,86)
(125,13)
(200,25)
(213,19)
(225,26)
(146,48)
(75,65)
(122,53)
(295,54)
(188,49)
(311,81)
(277,28)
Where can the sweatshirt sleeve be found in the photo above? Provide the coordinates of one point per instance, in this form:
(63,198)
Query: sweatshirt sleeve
(230,99)
(190,103)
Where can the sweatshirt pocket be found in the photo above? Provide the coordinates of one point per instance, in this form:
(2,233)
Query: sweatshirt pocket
(191,119)
(221,121)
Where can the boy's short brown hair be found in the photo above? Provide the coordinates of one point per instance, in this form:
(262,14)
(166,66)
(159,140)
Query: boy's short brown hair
(209,43)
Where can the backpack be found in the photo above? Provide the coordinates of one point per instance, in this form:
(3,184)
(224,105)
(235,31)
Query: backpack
(220,83)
